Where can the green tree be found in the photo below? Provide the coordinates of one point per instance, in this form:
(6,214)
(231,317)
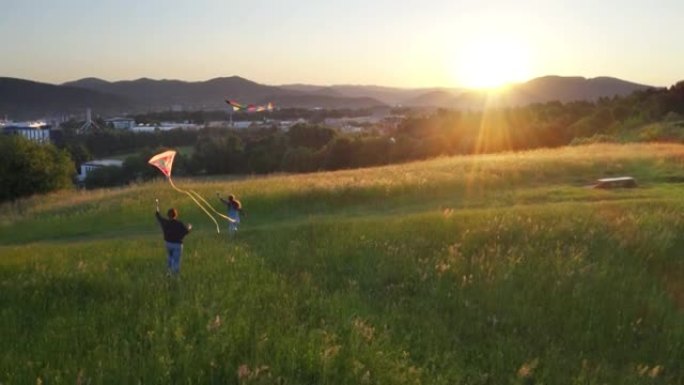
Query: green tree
(106,177)
(220,154)
(135,167)
(339,153)
(310,136)
(28,168)
(79,153)
(265,155)
(372,151)
(300,159)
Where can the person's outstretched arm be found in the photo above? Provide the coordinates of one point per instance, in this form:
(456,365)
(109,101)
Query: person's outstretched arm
(156,213)
(225,202)
(187,229)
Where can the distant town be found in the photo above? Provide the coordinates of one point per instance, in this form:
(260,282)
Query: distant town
(50,129)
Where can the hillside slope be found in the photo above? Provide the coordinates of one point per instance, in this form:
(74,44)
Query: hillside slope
(482,269)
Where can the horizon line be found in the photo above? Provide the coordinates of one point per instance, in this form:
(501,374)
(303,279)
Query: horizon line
(457,87)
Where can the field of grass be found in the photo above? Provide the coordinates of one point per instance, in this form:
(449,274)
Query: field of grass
(493,269)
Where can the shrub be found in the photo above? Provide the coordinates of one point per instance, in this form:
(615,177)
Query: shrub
(28,168)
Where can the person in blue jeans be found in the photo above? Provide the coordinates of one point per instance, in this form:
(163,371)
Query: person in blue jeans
(234,212)
(174,232)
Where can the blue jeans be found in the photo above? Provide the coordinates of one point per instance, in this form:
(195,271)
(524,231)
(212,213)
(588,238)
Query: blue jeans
(174,251)
(233,226)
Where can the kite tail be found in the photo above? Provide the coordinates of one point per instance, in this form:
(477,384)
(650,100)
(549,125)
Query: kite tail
(229,219)
(198,204)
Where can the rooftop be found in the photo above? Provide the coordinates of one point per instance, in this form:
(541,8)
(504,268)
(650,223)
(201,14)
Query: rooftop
(105,162)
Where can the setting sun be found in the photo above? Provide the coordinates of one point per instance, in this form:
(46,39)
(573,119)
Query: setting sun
(491,62)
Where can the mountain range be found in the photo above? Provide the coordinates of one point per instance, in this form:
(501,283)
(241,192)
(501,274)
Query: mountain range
(550,88)
(24,98)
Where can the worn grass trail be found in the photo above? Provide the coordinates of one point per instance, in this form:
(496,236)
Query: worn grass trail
(475,270)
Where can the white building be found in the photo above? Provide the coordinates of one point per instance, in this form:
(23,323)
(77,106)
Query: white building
(166,126)
(286,124)
(121,123)
(350,128)
(242,124)
(37,131)
(218,124)
(88,167)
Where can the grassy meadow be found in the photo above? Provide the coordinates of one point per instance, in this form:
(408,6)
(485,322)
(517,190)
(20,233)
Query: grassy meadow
(491,269)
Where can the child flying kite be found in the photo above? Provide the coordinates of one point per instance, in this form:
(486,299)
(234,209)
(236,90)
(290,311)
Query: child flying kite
(234,212)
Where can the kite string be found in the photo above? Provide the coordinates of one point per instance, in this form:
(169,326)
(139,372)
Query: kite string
(198,204)
(211,207)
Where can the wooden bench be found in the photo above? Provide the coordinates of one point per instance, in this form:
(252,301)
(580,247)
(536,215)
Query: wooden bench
(619,182)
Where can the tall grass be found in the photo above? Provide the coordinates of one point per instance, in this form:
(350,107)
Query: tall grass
(472,270)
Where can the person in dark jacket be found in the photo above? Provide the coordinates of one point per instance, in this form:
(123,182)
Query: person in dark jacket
(174,232)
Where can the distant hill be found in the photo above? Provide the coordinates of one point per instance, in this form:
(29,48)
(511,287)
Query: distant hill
(155,94)
(549,88)
(24,99)
(210,94)
(311,89)
(316,100)
(392,96)
(438,98)
(574,88)
(543,89)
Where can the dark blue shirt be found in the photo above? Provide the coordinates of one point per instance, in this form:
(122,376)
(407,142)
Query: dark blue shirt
(174,230)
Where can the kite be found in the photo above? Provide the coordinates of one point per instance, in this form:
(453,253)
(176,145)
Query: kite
(250,107)
(164,162)
(236,106)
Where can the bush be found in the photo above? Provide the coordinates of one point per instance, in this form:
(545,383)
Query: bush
(28,168)
(300,159)
(106,177)
(598,138)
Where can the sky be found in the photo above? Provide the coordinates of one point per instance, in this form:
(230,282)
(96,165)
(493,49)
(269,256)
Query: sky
(400,43)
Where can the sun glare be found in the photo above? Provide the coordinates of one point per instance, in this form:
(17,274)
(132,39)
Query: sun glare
(489,63)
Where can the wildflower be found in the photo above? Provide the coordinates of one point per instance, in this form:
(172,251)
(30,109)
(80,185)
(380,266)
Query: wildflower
(527,369)
(80,379)
(656,371)
(243,372)
(331,352)
(442,267)
(366,331)
(215,324)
